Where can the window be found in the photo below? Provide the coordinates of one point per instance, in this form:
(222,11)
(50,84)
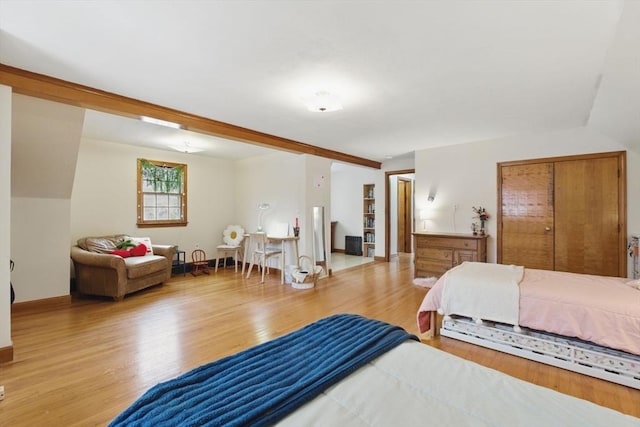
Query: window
(162,194)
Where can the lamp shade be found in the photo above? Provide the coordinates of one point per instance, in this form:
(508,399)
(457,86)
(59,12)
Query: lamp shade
(262,207)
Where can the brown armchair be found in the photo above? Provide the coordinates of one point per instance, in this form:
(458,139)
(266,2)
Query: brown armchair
(97,272)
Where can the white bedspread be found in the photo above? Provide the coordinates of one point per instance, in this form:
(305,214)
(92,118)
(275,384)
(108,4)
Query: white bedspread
(483,291)
(417,385)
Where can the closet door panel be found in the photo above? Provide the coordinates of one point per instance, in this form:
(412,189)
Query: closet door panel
(527,215)
(586,216)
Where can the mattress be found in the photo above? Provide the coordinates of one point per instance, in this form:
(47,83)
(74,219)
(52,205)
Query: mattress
(415,384)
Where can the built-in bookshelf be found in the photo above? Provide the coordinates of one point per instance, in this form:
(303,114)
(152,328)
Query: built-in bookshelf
(369,220)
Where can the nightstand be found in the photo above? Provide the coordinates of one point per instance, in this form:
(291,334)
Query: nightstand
(180,261)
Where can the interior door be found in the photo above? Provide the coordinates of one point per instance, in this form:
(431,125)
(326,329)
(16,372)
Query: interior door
(526,236)
(404,215)
(587,222)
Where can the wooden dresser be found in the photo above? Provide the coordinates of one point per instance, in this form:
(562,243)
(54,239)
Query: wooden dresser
(435,253)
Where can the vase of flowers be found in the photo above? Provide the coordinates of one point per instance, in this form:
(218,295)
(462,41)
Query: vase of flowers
(482,214)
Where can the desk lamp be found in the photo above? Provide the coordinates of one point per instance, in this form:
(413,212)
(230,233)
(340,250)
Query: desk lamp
(261,208)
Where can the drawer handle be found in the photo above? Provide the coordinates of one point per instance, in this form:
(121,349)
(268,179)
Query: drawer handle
(466,243)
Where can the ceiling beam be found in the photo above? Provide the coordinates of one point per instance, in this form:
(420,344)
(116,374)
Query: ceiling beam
(41,86)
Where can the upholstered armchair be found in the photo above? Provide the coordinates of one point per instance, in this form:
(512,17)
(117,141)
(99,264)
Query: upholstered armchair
(98,272)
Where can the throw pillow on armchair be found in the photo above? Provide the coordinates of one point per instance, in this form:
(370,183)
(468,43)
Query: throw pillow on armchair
(139,250)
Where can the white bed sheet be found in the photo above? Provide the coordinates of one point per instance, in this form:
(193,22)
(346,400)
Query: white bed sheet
(415,384)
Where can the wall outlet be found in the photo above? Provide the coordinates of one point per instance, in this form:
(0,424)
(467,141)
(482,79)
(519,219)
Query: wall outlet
(1,392)
(455,207)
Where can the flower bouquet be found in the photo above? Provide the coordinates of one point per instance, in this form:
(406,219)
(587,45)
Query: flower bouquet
(482,215)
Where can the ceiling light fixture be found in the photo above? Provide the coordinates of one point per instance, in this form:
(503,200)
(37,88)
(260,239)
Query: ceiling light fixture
(160,122)
(323,102)
(186,148)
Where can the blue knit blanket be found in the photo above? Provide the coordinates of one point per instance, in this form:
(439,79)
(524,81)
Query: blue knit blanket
(262,384)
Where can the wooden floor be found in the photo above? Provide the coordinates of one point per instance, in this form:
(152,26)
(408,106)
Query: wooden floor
(82,363)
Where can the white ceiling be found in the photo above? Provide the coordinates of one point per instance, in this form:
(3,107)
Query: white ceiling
(411,74)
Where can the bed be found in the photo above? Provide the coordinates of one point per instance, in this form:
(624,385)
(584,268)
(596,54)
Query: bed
(589,324)
(348,370)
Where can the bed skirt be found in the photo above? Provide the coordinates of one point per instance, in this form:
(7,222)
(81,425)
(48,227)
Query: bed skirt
(572,354)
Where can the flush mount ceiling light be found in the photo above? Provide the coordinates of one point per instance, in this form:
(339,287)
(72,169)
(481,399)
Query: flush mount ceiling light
(323,102)
(160,122)
(186,147)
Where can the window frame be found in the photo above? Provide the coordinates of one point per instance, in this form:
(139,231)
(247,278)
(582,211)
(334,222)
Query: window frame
(141,222)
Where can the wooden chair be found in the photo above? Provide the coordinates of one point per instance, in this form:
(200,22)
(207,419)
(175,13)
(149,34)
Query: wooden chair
(232,238)
(260,252)
(199,262)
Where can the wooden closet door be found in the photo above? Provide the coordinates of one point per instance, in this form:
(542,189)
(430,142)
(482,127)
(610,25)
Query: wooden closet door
(586,216)
(526,236)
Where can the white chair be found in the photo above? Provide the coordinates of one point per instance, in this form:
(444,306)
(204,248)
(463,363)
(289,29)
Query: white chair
(232,238)
(260,252)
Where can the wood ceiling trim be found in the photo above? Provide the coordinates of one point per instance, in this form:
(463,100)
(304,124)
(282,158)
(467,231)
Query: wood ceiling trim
(41,86)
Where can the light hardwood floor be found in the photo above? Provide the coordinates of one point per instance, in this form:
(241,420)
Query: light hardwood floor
(82,363)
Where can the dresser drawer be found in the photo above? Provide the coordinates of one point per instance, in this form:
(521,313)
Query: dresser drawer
(437,267)
(462,256)
(434,254)
(446,242)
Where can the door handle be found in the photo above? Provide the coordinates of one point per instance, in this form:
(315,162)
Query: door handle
(547,229)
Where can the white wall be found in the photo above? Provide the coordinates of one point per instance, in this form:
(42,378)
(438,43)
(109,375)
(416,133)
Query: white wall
(5,215)
(277,179)
(45,141)
(465,175)
(40,247)
(104,196)
(317,192)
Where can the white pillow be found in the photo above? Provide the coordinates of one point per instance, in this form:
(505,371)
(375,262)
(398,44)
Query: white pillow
(634,284)
(144,240)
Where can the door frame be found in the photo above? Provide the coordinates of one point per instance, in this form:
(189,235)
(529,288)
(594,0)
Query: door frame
(408,215)
(387,203)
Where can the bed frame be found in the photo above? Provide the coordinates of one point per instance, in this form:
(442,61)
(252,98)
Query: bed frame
(572,354)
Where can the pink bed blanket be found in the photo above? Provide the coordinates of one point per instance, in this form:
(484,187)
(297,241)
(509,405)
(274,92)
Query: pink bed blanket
(599,309)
